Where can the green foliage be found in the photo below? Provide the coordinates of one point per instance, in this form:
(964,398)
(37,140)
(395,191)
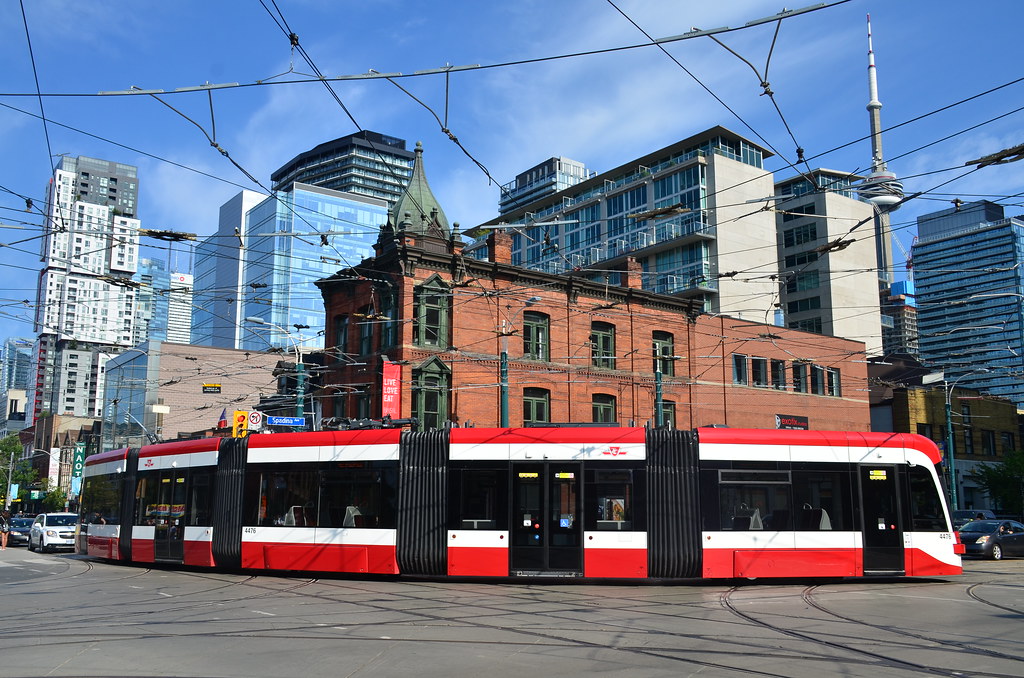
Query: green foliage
(1004,482)
(23,475)
(55,500)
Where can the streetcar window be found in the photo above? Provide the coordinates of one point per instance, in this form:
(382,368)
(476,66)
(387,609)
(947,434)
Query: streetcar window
(613,503)
(480,499)
(925,504)
(200,495)
(823,500)
(287,498)
(754,500)
(147,491)
(353,497)
(101,500)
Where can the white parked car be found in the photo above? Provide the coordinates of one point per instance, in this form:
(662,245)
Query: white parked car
(52,530)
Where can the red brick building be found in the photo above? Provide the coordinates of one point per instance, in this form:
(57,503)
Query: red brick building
(421,330)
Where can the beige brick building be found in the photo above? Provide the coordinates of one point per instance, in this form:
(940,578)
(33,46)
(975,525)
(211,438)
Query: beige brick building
(168,389)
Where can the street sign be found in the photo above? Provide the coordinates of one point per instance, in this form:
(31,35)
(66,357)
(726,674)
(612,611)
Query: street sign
(255,419)
(78,465)
(286,421)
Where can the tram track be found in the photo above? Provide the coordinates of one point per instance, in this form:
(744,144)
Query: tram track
(808,597)
(882,660)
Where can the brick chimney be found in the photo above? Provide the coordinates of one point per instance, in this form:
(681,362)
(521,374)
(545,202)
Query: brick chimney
(632,276)
(499,247)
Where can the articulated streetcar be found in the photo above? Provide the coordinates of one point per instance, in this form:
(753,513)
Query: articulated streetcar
(627,503)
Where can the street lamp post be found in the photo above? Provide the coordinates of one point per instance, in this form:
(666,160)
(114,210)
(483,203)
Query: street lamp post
(950,450)
(300,368)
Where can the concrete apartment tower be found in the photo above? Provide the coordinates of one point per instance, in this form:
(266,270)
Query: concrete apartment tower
(85,301)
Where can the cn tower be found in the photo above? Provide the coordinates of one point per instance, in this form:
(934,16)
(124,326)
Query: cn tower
(880,187)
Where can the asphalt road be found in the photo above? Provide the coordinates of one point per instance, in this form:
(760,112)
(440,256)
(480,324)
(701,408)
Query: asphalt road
(64,615)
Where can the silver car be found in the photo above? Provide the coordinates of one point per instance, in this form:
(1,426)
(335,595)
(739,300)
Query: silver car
(52,530)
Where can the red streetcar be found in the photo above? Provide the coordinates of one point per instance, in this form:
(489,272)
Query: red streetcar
(628,503)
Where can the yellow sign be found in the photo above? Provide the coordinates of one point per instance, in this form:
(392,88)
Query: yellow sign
(240,424)
(877,474)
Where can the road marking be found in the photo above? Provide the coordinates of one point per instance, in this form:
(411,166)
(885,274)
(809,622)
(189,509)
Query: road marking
(166,595)
(269,614)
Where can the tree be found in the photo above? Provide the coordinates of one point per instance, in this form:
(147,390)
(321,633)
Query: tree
(24,475)
(1004,482)
(55,500)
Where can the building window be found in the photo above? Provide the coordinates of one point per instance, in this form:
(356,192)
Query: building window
(602,345)
(389,330)
(604,408)
(536,406)
(832,382)
(739,369)
(668,413)
(779,374)
(968,440)
(801,259)
(366,331)
(799,378)
(536,337)
(664,350)
(800,282)
(817,380)
(431,300)
(759,371)
(1006,438)
(800,235)
(801,305)
(430,386)
(807,325)
(341,333)
(988,443)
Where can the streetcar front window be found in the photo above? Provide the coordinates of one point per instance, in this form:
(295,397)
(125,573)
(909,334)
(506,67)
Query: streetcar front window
(925,503)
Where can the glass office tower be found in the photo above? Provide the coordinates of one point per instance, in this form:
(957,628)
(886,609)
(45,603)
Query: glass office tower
(970,288)
(299,236)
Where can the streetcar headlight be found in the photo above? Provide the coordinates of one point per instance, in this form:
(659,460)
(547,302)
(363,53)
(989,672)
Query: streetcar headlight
(982,540)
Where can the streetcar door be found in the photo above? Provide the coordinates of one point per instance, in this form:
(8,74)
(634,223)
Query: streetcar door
(883,532)
(547,528)
(169,531)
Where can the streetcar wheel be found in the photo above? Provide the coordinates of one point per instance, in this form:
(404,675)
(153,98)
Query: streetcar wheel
(997,552)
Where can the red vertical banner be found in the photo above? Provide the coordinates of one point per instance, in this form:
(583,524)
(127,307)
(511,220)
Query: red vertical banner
(391,391)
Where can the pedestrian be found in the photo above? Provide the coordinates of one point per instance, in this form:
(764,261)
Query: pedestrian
(5,528)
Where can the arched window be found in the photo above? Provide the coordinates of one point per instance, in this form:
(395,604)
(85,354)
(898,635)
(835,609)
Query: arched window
(536,406)
(341,333)
(430,387)
(604,408)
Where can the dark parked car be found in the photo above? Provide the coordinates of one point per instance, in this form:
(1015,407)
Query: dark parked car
(993,538)
(20,528)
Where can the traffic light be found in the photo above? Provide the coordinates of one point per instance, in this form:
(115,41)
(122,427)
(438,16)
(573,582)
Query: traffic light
(240,424)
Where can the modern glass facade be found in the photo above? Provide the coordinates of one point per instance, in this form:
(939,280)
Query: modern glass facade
(970,289)
(128,377)
(658,208)
(294,239)
(365,163)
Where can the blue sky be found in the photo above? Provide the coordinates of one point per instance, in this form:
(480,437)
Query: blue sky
(601,109)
